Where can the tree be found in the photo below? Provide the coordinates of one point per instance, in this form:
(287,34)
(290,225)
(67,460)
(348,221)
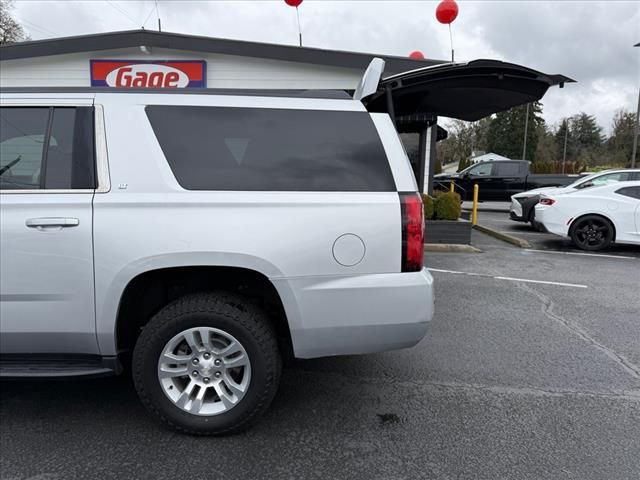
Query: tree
(10,30)
(505,135)
(587,132)
(620,143)
(584,140)
(547,147)
(564,134)
(464,138)
(438,165)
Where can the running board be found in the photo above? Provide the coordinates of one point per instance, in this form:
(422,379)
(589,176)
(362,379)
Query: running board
(57,366)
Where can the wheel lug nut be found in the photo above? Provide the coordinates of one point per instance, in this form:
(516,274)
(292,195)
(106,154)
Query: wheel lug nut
(217,374)
(195,361)
(207,356)
(205,379)
(195,373)
(217,363)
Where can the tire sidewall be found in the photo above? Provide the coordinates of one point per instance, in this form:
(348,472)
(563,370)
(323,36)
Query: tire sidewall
(145,367)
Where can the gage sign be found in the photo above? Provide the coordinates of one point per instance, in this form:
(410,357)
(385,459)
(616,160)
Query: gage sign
(148,73)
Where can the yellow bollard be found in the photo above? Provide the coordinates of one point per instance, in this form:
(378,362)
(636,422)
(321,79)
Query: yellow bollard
(474,211)
(451,187)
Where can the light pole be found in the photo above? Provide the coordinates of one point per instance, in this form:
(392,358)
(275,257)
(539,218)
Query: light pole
(636,129)
(564,151)
(526,127)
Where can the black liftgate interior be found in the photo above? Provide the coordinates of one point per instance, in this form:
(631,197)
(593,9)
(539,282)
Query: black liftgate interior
(465,91)
(419,141)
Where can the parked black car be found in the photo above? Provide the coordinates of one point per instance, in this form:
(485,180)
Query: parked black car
(499,179)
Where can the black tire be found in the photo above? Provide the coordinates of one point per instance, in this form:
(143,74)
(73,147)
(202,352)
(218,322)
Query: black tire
(232,314)
(537,226)
(532,218)
(591,232)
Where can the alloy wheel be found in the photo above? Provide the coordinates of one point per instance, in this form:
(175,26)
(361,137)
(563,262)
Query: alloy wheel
(204,371)
(592,232)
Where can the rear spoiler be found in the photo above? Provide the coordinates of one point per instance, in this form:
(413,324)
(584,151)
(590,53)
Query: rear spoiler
(369,82)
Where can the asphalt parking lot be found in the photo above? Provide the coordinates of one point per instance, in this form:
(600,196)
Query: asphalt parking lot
(515,379)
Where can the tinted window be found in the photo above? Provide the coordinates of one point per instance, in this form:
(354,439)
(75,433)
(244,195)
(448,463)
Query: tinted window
(22,140)
(222,148)
(481,169)
(48,148)
(610,178)
(69,161)
(633,192)
(508,169)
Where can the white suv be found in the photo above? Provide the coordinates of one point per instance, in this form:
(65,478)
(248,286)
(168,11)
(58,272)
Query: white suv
(209,235)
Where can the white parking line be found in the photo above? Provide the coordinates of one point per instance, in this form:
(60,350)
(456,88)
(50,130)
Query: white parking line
(580,253)
(510,279)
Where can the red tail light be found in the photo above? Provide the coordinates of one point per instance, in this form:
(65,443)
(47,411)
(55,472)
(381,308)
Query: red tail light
(412,231)
(547,201)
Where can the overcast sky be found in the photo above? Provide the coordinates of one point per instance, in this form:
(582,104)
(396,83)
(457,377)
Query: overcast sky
(590,41)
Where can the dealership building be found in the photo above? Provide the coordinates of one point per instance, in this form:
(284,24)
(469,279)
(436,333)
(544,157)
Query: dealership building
(176,60)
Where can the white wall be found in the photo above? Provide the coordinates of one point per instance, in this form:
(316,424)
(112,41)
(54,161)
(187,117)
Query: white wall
(223,71)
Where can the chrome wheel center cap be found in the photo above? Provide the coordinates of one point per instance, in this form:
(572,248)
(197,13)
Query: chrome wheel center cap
(206,367)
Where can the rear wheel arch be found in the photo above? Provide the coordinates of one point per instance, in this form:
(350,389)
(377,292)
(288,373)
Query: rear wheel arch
(148,292)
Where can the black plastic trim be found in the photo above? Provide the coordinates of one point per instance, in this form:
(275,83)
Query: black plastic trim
(322,94)
(57,366)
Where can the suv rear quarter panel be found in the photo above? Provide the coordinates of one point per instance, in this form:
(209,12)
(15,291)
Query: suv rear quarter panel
(147,221)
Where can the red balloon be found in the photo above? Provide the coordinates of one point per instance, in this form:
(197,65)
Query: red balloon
(293,3)
(416,55)
(447,11)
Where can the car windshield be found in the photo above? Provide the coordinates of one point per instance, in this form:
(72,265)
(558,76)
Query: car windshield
(584,179)
(604,177)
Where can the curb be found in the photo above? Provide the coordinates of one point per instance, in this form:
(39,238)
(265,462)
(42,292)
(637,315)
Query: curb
(505,237)
(488,209)
(450,247)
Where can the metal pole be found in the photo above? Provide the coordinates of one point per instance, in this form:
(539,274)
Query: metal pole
(433,138)
(451,41)
(422,158)
(299,28)
(566,135)
(158,15)
(635,134)
(526,126)
(474,210)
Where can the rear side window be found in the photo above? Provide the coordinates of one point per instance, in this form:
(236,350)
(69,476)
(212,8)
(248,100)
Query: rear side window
(228,148)
(508,169)
(633,192)
(46,148)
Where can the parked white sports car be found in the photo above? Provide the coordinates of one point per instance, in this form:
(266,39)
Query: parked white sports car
(523,204)
(594,217)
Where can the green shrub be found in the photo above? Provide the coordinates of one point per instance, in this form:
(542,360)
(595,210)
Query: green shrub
(427,201)
(446,206)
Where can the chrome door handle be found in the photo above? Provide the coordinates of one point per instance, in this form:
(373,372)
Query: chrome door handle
(52,222)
